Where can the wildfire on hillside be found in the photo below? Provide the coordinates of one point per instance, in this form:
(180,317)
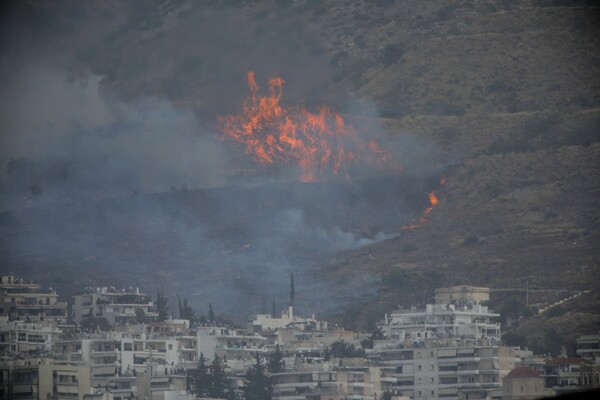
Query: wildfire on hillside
(318,143)
(433,201)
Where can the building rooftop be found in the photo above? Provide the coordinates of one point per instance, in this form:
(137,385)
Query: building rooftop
(563,360)
(522,372)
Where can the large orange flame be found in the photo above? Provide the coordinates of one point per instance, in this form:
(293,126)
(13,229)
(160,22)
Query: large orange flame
(315,142)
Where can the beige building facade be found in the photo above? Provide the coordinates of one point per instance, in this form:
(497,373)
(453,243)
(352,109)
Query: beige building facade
(462,294)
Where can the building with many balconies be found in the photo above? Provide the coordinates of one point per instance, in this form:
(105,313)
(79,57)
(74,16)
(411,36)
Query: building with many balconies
(238,347)
(118,354)
(18,337)
(116,307)
(451,369)
(442,321)
(24,301)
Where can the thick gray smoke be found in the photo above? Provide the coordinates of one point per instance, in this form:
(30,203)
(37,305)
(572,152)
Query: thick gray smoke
(66,135)
(109,178)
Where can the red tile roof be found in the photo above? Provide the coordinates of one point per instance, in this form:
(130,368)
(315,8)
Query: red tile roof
(522,372)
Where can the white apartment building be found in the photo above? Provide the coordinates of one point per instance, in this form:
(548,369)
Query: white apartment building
(118,307)
(237,347)
(22,337)
(117,354)
(442,321)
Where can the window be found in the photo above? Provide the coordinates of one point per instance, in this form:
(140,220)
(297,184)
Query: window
(420,380)
(431,380)
(432,367)
(170,347)
(522,389)
(419,367)
(128,346)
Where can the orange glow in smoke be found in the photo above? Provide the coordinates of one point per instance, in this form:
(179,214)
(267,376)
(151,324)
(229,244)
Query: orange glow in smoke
(317,143)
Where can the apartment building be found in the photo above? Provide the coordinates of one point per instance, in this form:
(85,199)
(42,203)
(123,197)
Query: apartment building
(27,337)
(313,339)
(160,384)
(119,354)
(450,369)
(116,307)
(562,374)
(25,301)
(442,321)
(63,381)
(236,346)
(588,346)
(19,379)
(296,385)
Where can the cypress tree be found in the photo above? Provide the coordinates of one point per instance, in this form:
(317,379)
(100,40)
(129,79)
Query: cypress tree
(276,364)
(162,306)
(202,380)
(256,384)
(219,385)
(211,314)
(292,290)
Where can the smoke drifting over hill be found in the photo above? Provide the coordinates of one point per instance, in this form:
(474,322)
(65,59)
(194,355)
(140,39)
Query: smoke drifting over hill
(105,184)
(67,136)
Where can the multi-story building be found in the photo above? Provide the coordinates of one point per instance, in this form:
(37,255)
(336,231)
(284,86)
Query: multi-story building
(160,384)
(452,369)
(562,374)
(590,375)
(313,338)
(25,337)
(19,379)
(294,385)
(359,382)
(116,307)
(442,321)
(63,381)
(237,347)
(118,354)
(588,346)
(314,378)
(20,300)
(43,378)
